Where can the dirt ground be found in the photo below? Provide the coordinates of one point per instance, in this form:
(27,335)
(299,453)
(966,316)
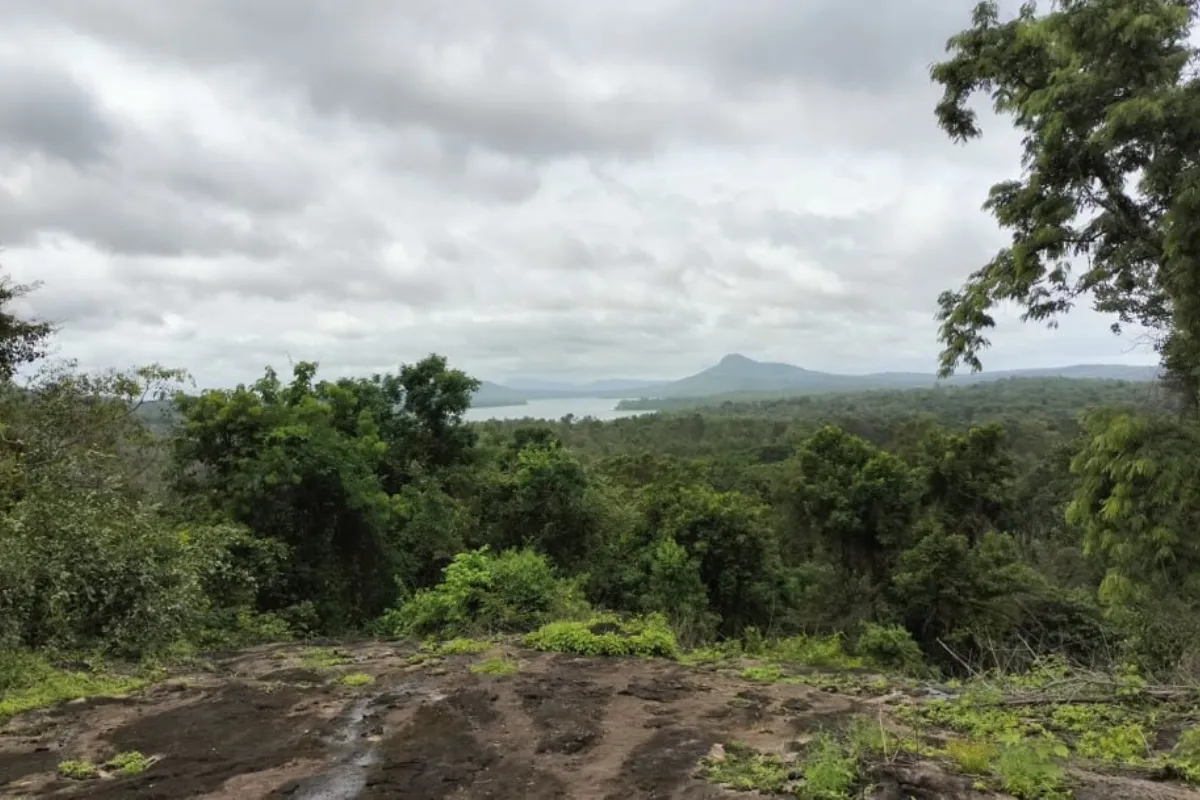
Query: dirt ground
(267,723)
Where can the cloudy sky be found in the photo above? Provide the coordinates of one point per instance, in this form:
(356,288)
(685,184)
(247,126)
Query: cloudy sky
(530,187)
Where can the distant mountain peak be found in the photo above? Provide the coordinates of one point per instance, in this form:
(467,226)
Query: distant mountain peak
(736,358)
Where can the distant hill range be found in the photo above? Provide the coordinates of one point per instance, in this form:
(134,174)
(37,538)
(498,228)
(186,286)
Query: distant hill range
(737,374)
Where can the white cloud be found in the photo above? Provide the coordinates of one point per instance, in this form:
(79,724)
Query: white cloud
(526,187)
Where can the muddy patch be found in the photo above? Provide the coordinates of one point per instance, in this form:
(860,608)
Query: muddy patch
(566,710)
(240,730)
(440,754)
(655,768)
(15,766)
(661,689)
(923,782)
(298,675)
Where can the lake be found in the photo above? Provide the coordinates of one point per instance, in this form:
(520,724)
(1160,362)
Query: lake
(598,407)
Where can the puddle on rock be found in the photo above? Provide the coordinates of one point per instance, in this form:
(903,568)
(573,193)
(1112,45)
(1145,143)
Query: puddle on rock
(354,746)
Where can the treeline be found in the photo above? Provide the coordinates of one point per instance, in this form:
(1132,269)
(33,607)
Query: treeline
(1034,411)
(304,507)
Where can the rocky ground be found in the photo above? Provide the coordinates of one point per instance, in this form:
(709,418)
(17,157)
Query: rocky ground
(376,720)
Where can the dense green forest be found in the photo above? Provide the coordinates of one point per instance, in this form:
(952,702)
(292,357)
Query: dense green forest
(310,507)
(984,525)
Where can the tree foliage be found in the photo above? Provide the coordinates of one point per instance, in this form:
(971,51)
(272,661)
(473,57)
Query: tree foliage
(324,469)
(1106,96)
(22,341)
(87,557)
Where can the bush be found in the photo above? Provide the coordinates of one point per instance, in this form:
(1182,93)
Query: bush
(890,647)
(823,652)
(235,628)
(608,635)
(514,591)
(88,558)
(98,570)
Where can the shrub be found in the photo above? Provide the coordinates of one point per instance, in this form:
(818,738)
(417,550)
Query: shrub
(1184,760)
(830,770)
(890,647)
(87,557)
(77,770)
(745,770)
(237,628)
(100,570)
(824,652)
(608,635)
(1029,771)
(971,757)
(516,590)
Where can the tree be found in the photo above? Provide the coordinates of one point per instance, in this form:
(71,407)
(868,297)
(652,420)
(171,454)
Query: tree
(968,479)
(540,499)
(22,341)
(1137,501)
(851,500)
(945,587)
(335,472)
(726,539)
(1107,97)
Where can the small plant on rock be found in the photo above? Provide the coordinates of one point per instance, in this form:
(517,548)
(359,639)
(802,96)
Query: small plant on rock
(128,763)
(498,667)
(77,770)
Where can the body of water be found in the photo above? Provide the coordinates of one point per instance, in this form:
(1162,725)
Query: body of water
(598,407)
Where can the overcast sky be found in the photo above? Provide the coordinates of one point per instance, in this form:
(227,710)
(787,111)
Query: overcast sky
(531,187)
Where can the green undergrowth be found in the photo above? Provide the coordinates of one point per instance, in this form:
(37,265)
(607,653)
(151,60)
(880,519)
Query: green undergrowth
(458,646)
(29,681)
(497,667)
(1018,731)
(841,683)
(356,679)
(324,657)
(485,592)
(885,659)
(1014,734)
(820,652)
(607,635)
(834,765)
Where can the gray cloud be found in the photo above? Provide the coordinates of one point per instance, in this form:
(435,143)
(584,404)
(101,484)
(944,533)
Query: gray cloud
(856,45)
(530,79)
(527,186)
(50,113)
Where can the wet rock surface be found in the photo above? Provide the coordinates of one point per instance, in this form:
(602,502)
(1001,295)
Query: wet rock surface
(268,724)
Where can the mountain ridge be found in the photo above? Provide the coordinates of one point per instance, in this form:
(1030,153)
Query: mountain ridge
(736,372)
